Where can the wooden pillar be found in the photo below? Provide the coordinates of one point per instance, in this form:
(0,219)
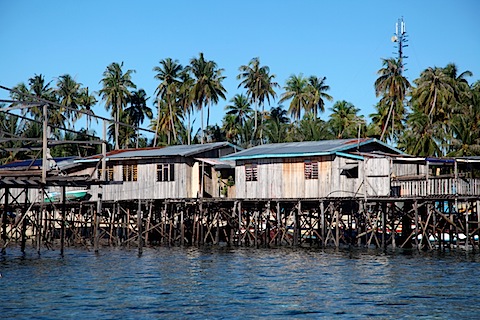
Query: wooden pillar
(415,208)
(467,231)
(139,227)
(24,225)
(279,225)
(62,227)
(239,208)
(182,228)
(296,228)
(384,224)
(337,228)
(96,223)
(4,220)
(322,222)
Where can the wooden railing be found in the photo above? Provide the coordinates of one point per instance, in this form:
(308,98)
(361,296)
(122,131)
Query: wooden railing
(437,186)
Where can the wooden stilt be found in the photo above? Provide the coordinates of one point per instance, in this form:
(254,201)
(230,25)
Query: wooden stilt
(139,227)
(62,227)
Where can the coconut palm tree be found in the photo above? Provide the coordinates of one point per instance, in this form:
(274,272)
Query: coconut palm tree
(115,91)
(207,86)
(260,85)
(168,74)
(434,92)
(344,121)
(393,87)
(86,101)
(68,93)
(317,88)
(185,102)
(297,92)
(138,110)
(240,109)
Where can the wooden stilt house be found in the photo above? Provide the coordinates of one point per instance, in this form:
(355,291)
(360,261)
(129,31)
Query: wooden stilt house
(173,172)
(314,169)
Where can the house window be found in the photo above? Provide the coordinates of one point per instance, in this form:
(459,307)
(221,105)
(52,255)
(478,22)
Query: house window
(108,173)
(350,171)
(311,169)
(130,172)
(165,172)
(251,172)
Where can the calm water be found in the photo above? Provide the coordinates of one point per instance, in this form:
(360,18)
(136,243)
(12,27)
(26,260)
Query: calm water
(233,283)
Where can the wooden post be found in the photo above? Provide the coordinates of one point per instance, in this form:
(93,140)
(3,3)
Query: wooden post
(322,222)
(239,208)
(384,225)
(279,225)
(415,207)
(62,227)
(4,220)
(467,233)
(139,227)
(96,223)
(182,228)
(24,226)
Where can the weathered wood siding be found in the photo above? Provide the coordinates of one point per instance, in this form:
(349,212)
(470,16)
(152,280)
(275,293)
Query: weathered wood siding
(377,176)
(285,178)
(147,186)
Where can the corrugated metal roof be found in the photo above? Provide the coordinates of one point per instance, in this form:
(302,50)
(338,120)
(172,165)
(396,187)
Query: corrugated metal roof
(37,163)
(306,148)
(170,151)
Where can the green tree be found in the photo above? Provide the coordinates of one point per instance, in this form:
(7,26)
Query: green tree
(138,110)
(393,87)
(115,91)
(297,92)
(168,73)
(86,102)
(207,87)
(317,88)
(344,121)
(68,93)
(260,86)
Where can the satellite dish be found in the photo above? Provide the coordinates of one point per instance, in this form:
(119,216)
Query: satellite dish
(394,38)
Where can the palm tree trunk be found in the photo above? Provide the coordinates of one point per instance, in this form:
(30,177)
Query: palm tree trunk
(201,116)
(171,121)
(158,123)
(386,122)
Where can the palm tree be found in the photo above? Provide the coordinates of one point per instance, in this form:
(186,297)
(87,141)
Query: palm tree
(185,101)
(115,92)
(434,92)
(317,87)
(168,74)
(344,121)
(296,90)
(207,87)
(240,109)
(138,110)
(68,92)
(260,85)
(86,101)
(393,87)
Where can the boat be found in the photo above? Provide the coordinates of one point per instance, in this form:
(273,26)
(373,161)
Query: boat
(74,195)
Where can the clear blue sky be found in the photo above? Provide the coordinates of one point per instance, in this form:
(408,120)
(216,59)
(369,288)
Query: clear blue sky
(341,40)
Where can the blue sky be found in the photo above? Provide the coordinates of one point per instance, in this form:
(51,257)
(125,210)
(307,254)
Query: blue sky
(341,40)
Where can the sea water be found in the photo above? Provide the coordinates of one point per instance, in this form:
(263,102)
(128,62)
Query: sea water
(238,283)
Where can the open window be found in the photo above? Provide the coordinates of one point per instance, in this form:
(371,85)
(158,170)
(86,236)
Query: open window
(350,170)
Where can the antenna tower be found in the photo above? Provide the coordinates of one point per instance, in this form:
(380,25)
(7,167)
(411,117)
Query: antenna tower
(400,38)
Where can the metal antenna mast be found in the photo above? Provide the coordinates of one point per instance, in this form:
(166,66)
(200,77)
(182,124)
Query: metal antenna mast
(400,38)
